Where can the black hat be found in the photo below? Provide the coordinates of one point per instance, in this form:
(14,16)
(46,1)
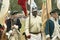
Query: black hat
(14,12)
(54,11)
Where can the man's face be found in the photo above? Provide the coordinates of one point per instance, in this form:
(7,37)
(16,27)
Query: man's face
(13,16)
(55,15)
(34,13)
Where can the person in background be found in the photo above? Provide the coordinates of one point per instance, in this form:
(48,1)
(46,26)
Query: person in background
(12,22)
(33,29)
(52,26)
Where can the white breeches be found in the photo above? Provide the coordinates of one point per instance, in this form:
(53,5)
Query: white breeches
(55,39)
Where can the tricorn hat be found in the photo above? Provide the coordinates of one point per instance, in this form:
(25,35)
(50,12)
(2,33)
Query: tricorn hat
(14,12)
(54,11)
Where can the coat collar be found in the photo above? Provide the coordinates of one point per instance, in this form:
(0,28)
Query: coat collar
(53,19)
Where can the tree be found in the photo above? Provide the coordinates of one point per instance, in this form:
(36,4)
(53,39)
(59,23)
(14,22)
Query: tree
(14,5)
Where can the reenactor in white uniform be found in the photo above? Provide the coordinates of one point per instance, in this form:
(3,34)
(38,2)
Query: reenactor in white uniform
(33,29)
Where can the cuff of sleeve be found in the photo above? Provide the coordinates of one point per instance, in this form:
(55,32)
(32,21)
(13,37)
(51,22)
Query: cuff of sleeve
(47,36)
(16,26)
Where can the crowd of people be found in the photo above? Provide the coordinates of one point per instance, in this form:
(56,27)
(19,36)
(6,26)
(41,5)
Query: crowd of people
(33,26)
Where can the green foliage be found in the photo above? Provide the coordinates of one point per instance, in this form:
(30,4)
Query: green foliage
(0,4)
(39,3)
(44,1)
(54,4)
(14,5)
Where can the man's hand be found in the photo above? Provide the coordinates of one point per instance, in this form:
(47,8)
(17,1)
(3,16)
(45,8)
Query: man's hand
(48,38)
(29,36)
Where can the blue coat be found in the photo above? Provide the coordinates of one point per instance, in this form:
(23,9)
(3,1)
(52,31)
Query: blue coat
(49,29)
(9,23)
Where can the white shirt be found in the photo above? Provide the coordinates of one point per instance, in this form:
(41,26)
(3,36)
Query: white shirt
(34,23)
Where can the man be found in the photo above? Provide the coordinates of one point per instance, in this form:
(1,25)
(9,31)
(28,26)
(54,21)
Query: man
(33,29)
(52,26)
(12,22)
